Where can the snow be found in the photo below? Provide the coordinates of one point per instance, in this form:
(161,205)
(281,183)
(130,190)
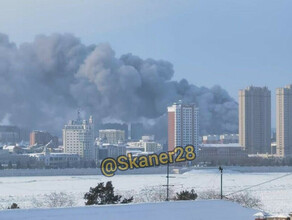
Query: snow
(261,215)
(275,196)
(189,210)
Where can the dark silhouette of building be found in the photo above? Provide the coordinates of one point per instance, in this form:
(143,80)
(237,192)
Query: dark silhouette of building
(42,138)
(9,134)
(137,131)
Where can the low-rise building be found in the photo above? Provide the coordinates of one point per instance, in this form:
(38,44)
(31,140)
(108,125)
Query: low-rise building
(111,150)
(145,145)
(56,159)
(9,157)
(130,148)
(211,139)
(229,138)
(149,138)
(266,216)
(212,152)
(221,139)
(13,149)
(112,136)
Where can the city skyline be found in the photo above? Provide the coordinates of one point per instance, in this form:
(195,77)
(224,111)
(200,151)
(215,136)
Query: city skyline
(273,109)
(107,102)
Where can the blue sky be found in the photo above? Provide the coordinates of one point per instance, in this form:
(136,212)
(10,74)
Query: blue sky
(228,42)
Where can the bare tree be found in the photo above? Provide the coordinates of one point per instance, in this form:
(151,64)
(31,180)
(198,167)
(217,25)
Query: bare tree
(54,200)
(209,194)
(245,199)
(153,194)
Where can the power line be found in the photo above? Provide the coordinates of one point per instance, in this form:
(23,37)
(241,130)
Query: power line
(258,184)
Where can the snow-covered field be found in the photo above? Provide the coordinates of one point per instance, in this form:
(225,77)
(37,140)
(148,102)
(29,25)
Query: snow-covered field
(157,211)
(276,196)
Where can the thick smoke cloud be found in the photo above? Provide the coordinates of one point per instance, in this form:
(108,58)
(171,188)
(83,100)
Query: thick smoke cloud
(43,83)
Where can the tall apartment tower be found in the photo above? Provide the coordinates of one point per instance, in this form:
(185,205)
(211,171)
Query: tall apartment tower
(255,119)
(284,121)
(183,125)
(78,138)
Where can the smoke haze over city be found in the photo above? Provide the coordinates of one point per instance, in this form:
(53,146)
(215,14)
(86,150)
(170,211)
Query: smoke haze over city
(45,81)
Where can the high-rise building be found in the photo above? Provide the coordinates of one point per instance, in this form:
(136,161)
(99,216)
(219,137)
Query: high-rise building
(255,119)
(42,138)
(78,138)
(284,121)
(183,125)
(136,131)
(9,134)
(112,136)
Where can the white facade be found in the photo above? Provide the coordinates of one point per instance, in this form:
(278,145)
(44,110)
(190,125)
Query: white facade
(229,138)
(144,145)
(55,159)
(211,139)
(112,136)
(151,146)
(148,138)
(185,125)
(78,138)
(284,121)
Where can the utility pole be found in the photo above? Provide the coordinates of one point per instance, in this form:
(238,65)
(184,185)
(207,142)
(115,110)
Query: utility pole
(167,183)
(221,170)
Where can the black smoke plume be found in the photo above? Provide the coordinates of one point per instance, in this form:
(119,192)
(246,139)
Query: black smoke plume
(43,83)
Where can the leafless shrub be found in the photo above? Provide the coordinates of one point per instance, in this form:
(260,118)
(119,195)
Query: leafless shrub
(245,199)
(54,200)
(153,194)
(209,194)
(127,193)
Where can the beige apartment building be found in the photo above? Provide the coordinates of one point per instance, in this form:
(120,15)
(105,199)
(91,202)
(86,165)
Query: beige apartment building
(78,138)
(284,121)
(255,119)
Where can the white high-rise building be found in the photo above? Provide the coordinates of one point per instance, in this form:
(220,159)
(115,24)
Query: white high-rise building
(78,138)
(183,125)
(284,121)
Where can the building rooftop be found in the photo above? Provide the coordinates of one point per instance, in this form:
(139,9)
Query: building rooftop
(8,128)
(221,145)
(110,130)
